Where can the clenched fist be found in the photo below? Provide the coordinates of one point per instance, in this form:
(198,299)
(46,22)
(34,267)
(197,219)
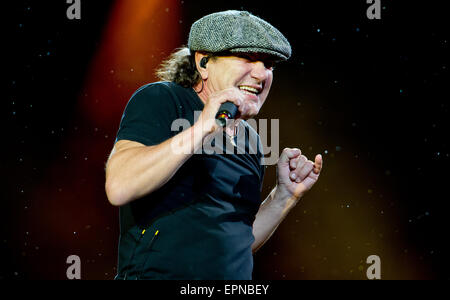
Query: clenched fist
(296,174)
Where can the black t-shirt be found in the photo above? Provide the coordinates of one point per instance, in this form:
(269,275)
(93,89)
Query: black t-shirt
(199,224)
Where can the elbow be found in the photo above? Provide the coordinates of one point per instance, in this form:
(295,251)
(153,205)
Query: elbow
(115,194)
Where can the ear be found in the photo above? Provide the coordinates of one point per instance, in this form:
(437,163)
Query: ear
(203,71)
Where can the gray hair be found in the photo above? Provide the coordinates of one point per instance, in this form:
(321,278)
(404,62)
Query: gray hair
(180,68)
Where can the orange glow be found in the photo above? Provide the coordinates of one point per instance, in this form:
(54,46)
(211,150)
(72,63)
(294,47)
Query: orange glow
(138,36)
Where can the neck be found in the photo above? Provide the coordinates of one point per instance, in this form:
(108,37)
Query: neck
(202,91)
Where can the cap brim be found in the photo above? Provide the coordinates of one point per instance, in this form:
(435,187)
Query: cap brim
(276,55)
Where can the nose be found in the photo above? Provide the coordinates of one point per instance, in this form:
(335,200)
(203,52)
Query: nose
(259,71)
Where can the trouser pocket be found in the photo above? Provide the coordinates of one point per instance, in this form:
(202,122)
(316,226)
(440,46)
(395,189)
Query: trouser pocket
(147,250)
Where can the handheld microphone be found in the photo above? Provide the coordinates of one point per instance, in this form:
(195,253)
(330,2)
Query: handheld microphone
(227,111)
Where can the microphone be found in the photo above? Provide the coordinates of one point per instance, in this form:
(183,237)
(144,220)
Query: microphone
(227,111)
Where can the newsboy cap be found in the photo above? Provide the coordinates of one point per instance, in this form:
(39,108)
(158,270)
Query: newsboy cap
(238,32)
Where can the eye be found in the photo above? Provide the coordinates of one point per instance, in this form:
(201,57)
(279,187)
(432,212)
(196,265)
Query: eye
(269,64)
(246,57)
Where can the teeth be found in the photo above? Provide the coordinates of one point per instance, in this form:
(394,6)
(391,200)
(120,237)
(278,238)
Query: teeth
(249,89)
(248,93)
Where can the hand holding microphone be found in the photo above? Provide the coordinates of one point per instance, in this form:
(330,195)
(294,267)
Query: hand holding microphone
(227,111)
(222,106)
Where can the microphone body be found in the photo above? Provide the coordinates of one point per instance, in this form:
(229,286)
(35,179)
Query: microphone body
(227,111)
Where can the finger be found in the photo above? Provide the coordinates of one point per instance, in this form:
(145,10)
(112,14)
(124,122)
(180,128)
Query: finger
(293,163)
(233,98)
(310,180)
(318,164)
(304,171)
(238,99)
(300,162)
(297,163)
(230,95)
(289,154)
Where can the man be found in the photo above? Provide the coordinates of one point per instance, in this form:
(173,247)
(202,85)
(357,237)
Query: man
(189,216)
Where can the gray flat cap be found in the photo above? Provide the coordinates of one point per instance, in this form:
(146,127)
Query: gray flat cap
(238,31)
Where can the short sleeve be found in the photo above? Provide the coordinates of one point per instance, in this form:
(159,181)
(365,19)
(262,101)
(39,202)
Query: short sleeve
(148,116)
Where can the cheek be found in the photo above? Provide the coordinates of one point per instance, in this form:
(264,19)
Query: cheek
(231,76)
(269,82)
(267,85)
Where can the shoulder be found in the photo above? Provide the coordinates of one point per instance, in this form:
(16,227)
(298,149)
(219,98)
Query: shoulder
(161,94)
(160,88)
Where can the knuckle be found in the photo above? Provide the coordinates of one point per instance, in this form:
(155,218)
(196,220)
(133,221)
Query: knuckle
(230,92)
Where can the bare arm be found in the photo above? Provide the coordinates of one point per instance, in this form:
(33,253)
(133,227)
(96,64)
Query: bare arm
(270,215)
(289,190)
(135,170)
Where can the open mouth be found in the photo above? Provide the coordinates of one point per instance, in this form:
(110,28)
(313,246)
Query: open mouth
(249,90)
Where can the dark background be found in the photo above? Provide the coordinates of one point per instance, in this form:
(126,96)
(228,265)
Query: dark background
(380,124)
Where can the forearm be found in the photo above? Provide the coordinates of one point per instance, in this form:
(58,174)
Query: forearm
(138,171)
(271,213)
